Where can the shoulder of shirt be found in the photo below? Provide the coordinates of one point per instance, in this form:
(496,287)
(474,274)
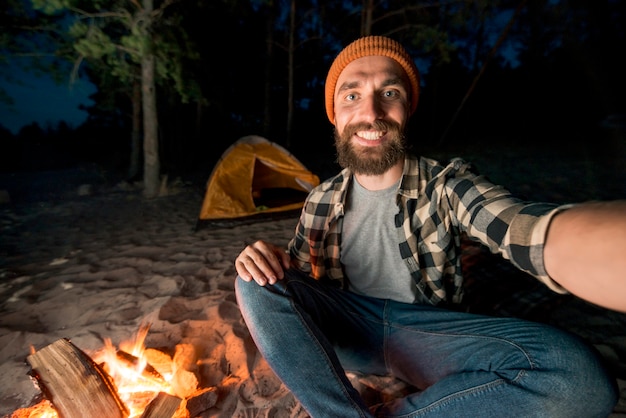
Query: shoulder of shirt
(421,171)
(337,182)
(431,164)
(428,168)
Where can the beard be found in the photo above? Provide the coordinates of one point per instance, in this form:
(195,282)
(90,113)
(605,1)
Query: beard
(370,160)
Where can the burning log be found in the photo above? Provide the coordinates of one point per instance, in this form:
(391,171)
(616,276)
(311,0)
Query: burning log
(131,361)
(202,401)
(162,406)
(74,383)
(119,385)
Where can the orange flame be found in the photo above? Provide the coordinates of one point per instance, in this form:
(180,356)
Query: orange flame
(138,382)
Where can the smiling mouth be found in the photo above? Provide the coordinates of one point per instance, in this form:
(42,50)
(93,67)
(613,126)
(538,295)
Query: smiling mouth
(370,135)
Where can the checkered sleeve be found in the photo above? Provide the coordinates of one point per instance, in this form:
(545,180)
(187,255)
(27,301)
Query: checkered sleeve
(507,225)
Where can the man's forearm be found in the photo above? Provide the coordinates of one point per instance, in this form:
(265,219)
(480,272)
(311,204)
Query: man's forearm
(585,252)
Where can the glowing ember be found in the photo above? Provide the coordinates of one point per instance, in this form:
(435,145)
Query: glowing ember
(139,375)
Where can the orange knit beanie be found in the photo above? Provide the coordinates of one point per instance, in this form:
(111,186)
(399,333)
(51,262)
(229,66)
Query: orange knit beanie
(365,47)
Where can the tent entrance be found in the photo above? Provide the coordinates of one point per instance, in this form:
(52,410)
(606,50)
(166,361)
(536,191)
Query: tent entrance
(272,188)
(276,197)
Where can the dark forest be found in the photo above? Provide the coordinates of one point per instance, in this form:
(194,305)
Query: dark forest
(503,76)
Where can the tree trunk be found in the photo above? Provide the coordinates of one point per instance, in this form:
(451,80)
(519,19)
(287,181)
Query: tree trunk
(135,140)
(269,51)
(290,70)
(366,17)
(151,169)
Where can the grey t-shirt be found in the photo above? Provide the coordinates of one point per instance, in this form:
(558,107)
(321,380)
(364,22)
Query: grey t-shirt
(369,248)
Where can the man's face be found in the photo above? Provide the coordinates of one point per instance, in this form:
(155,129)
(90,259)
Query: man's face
(371,110)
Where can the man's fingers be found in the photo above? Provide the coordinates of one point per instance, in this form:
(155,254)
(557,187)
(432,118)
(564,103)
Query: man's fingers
(248,271)
(265,259)
(262,262)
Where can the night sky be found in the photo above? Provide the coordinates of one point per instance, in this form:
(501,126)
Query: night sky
(39,99)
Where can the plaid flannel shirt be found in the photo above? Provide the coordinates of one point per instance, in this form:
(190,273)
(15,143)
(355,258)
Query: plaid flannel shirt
(436,204)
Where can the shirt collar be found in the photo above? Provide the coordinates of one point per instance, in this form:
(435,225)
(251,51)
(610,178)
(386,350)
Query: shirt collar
(409,186)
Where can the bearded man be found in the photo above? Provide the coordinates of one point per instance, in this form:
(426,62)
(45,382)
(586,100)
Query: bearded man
(374,268)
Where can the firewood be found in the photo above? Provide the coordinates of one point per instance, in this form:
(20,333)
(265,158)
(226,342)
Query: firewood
(76,386)
(201,401)
(131,361)
(163,405)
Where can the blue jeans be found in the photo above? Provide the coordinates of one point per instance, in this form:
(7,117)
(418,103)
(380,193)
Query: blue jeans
(311,332)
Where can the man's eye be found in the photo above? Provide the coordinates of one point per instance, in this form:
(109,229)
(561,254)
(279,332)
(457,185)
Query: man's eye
(390,93)
(351,97)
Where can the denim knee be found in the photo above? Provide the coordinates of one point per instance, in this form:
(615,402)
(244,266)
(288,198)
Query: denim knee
(585,384)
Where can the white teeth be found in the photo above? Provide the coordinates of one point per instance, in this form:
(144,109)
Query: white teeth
(369,135)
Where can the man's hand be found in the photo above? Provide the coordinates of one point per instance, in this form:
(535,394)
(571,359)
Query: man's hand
(263,262)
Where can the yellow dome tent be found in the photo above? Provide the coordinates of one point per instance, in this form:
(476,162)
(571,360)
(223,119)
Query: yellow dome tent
(255,176)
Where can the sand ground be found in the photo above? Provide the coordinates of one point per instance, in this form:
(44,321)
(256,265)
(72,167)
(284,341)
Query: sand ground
(95,263)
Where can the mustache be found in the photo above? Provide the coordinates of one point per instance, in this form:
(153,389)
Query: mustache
(377,125)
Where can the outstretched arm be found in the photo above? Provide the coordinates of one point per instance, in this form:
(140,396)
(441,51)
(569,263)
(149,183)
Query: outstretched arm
(585,252)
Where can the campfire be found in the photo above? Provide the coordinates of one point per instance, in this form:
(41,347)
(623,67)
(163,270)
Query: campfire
(126,382)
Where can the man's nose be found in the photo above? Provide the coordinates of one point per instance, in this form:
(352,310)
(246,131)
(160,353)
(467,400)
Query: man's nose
(372,108)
